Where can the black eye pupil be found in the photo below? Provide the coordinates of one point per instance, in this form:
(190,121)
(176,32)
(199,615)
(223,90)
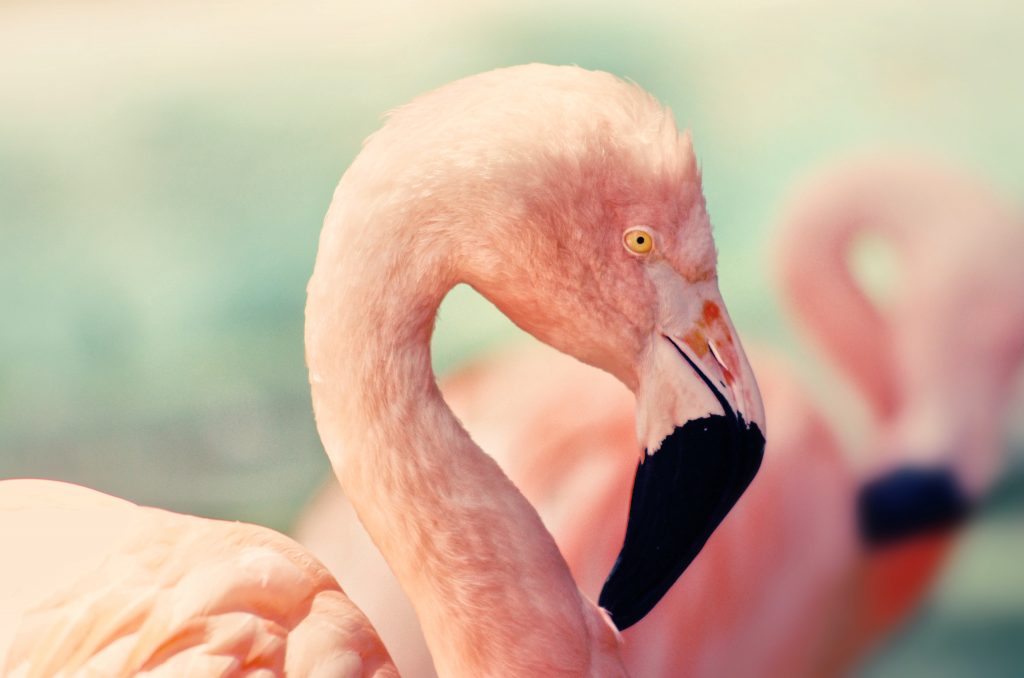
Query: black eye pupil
(640,240)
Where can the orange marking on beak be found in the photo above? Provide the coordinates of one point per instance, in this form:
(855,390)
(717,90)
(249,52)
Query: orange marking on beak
(712,320)
(697,342)
(711,312)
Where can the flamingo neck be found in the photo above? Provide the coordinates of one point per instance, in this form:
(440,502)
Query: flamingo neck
(814,263)
(492,592)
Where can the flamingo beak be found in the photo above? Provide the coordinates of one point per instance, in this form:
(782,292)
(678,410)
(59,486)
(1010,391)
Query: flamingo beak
(701,422)
(908,502)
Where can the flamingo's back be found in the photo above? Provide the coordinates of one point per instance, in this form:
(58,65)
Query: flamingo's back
(104,587)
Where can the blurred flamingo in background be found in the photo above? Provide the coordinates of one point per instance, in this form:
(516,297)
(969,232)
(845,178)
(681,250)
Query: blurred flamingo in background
(935,360)
(827,552)
(523,182)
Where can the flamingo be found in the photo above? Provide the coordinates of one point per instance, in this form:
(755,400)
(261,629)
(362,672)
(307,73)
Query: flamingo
(845,565)
(569,199)
(935,362)
(96,585)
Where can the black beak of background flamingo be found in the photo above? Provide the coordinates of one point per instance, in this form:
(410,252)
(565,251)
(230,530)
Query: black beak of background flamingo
(680,495)
(909,502)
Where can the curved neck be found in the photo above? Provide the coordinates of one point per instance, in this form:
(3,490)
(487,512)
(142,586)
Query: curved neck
(492,592)
(819,285)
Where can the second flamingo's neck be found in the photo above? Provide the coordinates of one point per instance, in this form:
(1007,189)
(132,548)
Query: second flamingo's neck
(817,280)
(491,590)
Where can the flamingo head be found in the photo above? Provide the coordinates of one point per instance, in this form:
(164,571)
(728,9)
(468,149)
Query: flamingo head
(596,240)
(939,453)
(954,334)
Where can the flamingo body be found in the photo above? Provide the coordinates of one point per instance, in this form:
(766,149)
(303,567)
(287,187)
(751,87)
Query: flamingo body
(101,586)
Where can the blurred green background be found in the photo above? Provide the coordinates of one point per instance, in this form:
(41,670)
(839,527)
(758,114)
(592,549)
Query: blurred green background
(164,169)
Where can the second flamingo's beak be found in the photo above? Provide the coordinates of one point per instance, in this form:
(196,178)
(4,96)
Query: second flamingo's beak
(701,426)
(908,502)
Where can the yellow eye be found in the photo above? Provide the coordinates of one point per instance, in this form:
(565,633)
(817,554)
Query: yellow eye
(638,241)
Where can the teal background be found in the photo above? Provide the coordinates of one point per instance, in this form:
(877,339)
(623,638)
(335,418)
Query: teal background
(164,169)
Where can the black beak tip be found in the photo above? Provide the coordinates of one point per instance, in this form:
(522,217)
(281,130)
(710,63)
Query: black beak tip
(680,495)
(908,502)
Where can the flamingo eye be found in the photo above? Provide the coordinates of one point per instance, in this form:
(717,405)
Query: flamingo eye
(638,241)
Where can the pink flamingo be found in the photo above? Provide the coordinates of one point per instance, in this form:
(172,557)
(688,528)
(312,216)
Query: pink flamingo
(935,362)
(96,585)
(563,433)
(566,197)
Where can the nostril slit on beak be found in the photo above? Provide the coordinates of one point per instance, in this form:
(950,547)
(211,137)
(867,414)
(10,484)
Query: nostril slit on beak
(726,374)
(717,356)
(719,396)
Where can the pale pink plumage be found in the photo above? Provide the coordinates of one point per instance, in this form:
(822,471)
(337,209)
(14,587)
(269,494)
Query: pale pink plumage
(783,587)
(565,434)
(560,164)
(95,585)
(520,182)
